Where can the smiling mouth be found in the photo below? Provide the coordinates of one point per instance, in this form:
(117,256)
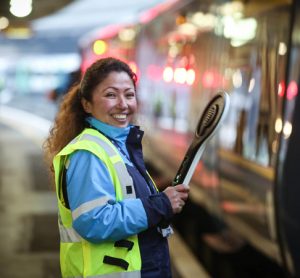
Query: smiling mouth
(120,117)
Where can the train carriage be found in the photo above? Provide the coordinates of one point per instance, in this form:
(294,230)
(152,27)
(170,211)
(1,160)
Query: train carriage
(244,190)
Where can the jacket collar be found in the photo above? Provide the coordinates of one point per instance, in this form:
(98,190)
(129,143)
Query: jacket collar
(113,132)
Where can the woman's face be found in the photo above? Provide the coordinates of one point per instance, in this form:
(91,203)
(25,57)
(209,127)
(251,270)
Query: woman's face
(113,100)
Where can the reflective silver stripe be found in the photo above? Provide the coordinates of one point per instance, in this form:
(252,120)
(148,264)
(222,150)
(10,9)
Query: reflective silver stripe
(86,207)
(68,234)
(125,180)
(74,140)
(131,274)
(122,173)
(67,164)
(110,151)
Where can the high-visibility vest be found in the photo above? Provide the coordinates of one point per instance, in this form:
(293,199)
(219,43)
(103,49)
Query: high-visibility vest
(78,257)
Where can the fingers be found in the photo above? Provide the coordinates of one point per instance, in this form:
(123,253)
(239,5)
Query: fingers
(183,191)
(178,191)
(177,195)
(177,205)
(182,188)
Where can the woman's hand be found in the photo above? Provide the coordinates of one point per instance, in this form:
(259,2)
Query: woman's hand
(177,195)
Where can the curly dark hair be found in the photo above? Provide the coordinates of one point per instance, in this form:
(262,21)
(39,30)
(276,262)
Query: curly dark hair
(70,119)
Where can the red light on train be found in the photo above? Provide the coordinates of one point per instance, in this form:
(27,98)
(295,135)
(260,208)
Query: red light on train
(208,79)
(281,88)
(168,74)
(154,72)
(212,79)
(292,90)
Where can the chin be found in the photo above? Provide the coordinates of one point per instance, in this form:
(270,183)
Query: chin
(121,124)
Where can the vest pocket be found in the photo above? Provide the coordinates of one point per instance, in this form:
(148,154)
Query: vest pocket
(124,243)
(97,259)
(116,262)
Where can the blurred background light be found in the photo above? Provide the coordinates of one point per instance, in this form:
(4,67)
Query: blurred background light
(232,8)
(240,31)
(292,90)
(204,21)
(190,77)
(281,88)
(20,8)
(278,125)
(282,49)
(168,74)
(251,85)
(208,79)
(99,47)
(127,34)
(180,75)
(133,66)
(4,22)
(287,129)
(237,79)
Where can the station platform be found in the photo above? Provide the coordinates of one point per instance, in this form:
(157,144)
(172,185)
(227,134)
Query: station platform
(29,238)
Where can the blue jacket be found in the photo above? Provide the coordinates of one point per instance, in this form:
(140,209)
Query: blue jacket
(88,178)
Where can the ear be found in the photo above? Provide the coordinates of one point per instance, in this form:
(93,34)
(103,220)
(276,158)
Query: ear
(86,105)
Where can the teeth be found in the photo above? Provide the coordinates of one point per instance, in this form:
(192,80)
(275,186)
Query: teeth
(120,116)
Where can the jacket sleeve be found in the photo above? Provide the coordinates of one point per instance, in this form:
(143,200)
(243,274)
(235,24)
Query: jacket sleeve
(96,215)
(158,208)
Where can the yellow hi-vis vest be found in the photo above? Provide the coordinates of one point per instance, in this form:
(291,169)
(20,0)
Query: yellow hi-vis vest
(78,257)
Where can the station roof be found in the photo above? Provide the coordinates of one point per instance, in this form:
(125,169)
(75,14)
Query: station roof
(81,16)
(40,9)
(62,27)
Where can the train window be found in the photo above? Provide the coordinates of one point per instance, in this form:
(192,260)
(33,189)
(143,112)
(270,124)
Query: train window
(245,54)
(236,47)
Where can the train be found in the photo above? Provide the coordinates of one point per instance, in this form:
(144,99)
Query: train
(243,217)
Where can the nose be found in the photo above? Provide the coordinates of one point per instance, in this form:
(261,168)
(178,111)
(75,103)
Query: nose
(122,102)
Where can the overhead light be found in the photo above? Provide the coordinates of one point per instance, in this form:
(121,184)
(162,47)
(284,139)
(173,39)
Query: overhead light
(20,8)
(3,23)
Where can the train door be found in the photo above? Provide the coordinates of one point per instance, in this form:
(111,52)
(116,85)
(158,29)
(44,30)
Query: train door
(288,191)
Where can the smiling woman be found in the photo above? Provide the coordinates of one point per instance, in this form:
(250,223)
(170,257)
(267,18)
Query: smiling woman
(114,100)
(110,211)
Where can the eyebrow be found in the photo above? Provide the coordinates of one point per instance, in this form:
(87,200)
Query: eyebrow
(117,89)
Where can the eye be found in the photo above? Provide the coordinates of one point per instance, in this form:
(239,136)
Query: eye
(130,94)
(110,94)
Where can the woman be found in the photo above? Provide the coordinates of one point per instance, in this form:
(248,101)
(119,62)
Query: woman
(109,208)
